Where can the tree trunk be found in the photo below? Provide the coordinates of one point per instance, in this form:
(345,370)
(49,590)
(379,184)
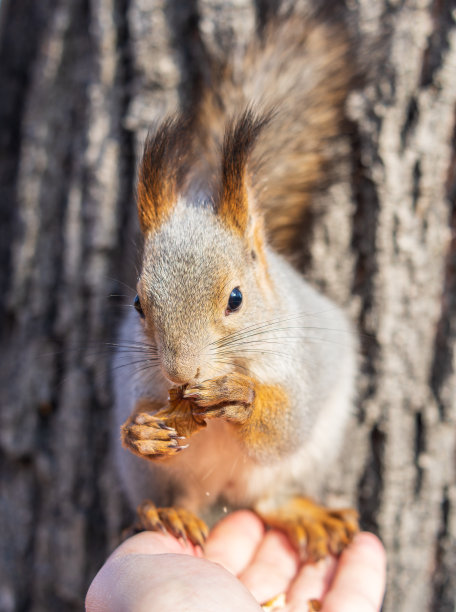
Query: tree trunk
(81,82)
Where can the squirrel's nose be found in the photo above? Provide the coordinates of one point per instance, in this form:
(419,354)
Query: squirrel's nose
(178,378)
(179,372)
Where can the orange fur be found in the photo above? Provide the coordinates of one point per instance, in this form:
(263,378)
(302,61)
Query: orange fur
(178,521)
(315,531)
(259,411)
(152,212)
(240,137)
(163,170)
(233,208)
(263,432)
(259,250)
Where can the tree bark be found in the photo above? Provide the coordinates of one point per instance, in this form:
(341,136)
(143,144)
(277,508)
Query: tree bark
(81,83)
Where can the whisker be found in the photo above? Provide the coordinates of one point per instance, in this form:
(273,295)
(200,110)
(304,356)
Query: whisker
(109,351)
(236,365)
(252,327)
(116,280)
(132,349)
(147,362)
(140,370)
(138,352)
(275,340)
(259,351)
(269,323)
(304,339)
(131,341)
(132,344)
(240,366)
(278,329)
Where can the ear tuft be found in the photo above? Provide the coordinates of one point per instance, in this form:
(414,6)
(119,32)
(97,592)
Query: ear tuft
(162,170)
(240,137)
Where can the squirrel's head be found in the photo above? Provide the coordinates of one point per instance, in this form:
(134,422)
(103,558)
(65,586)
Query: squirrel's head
(204,275)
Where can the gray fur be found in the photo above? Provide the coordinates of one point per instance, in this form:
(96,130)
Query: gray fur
(192,261)
(314,361)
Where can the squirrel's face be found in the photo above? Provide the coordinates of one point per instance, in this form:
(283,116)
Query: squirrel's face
(204,275)
(200,283)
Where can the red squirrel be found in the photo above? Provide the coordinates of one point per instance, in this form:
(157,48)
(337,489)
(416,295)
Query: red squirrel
(246,377)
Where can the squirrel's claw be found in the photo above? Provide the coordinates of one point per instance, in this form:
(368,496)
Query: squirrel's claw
(179,522)
(314,531)
(147,436)
(231,388)
(229,397)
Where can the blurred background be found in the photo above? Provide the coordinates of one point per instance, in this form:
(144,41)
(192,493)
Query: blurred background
(80,84)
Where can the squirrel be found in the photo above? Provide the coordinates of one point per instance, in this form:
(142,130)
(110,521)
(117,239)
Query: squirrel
(246,373)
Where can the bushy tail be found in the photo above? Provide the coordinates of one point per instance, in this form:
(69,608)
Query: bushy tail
(298,72)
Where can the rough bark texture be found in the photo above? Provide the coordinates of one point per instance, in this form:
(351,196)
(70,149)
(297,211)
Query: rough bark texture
(81,82)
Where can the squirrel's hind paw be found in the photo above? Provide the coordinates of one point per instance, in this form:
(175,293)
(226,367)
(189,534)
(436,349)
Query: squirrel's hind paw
(314,531)
(177,521)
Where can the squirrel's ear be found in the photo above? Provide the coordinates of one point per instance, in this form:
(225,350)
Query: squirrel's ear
(161,172)
(232,203)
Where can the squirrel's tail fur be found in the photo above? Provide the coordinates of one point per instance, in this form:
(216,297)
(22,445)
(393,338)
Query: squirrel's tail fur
(287,88)
(297,71)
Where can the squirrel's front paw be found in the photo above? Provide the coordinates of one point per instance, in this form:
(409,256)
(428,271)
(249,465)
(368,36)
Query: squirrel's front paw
(230,397)
(150,437)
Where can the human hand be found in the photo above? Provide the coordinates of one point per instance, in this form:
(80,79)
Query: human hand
(242,565)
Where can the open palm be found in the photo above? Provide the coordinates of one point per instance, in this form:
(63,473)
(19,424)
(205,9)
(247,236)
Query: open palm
(242,565)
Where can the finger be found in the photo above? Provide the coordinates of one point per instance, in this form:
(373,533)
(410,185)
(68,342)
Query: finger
(272,568)
(312,582)
(359,582)
(234,540)
(154,543)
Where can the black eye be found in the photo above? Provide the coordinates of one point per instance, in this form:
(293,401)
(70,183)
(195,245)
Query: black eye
(235,301)
(137,305)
